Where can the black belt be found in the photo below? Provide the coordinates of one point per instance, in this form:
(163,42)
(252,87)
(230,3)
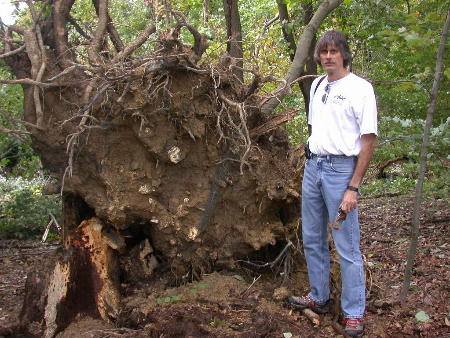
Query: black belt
(330,157)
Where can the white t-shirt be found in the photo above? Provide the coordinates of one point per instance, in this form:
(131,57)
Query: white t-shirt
(350,111)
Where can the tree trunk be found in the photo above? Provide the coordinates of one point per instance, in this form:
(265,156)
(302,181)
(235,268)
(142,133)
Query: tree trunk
(234,35)
(423,163)
(301,54)
(311,67)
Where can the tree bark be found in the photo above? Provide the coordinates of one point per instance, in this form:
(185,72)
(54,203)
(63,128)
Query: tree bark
(234,35)
(301,54)
(113,34)
(205,11)
(311,67)
(423,163)
(61,10)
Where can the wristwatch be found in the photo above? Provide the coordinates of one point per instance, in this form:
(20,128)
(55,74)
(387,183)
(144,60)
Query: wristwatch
(352,188)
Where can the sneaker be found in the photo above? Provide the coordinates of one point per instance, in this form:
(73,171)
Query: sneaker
(354,327)
(304,302)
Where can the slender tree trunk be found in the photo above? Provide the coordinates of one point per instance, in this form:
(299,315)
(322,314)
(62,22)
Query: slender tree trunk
(423,163)
(310,66)
(302,52)
(205,11)
(287,33)
(234,34)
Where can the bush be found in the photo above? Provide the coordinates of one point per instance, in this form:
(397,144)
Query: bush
(403,137)
(24,209)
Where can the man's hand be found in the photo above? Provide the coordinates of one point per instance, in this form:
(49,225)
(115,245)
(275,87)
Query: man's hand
(349,202)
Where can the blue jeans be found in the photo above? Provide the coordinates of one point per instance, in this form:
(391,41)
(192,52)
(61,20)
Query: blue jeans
(324,183)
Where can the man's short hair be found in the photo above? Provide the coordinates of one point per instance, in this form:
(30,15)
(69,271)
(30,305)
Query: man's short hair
(337,38)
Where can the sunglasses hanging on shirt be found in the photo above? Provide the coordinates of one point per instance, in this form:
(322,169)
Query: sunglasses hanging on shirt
(325,96)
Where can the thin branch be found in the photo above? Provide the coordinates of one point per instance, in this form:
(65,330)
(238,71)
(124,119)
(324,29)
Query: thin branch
(43,64)
(55,221)
(200,42)
(7,38)
(30,82)
(18,29)
(14,131)
(78,28)
(270,264)
(283,87)
(15,51)
(302,51)
(130,48)
(65,72)
(28,124)
(271,21)
(93,100)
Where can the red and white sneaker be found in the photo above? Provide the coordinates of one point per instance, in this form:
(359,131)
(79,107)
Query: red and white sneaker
(354,327)
(304,302)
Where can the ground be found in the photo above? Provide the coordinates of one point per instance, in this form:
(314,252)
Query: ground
(246,303)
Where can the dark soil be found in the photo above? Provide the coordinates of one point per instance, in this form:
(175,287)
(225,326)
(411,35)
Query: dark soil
(246,303)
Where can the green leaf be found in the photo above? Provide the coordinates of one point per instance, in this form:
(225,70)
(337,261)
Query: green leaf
(239,278)
(217,322)
(422,317)
(447,73)
(202,285)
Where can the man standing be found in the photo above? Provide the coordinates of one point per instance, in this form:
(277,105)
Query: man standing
(343,119)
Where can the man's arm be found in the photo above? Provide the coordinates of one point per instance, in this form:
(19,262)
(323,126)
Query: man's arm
(350,200)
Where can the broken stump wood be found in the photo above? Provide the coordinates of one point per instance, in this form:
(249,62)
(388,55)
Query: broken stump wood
(84,279)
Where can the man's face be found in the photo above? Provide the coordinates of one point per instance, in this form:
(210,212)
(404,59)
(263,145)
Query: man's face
(331,59)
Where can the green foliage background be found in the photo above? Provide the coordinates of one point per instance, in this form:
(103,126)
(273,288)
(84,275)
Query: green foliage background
(394,44)
(24,209)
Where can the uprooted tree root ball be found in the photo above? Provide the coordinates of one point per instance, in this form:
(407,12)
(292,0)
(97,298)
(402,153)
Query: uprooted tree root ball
(162,164)
(173,163)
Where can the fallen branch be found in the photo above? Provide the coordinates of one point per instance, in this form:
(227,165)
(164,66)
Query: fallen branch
(312,316)
(253,283)
(273,123)
(383,166)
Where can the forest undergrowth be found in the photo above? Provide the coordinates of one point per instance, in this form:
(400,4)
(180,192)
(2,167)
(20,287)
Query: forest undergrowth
(248,303)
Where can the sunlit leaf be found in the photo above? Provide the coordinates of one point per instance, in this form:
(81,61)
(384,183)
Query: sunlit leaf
(422,317)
